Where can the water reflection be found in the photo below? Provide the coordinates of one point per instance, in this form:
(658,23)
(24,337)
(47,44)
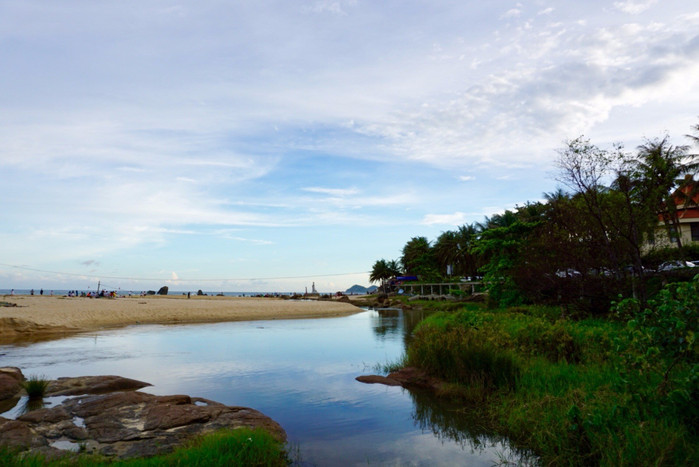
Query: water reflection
(451,422)
(387,324)
(300,372)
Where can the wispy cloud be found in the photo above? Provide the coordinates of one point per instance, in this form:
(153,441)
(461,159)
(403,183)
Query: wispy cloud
(457,218)
(634,7)
(122,137)
(341,192)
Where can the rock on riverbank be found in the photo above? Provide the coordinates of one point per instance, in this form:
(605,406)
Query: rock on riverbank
(111,418)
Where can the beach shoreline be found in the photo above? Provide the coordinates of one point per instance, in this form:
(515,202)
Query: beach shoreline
(36,318)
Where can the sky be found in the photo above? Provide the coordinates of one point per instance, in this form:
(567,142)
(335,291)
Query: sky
(265,146)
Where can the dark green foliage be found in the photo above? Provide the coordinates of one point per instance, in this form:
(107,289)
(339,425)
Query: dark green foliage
(418,258)
(659,347)
(502,248)
(591,392)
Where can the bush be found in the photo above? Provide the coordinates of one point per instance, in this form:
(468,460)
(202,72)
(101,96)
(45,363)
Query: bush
(659,347)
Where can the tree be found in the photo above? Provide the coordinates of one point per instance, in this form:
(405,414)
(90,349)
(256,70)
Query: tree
(381,272)
(694,138)
(446,250)
(657,171)
(419,259)
(583,168)
(466,262)
(501,248)
(617,211)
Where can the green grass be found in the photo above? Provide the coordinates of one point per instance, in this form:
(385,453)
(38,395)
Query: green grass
(240,447)
(35,386)
(391,366)
(558,387)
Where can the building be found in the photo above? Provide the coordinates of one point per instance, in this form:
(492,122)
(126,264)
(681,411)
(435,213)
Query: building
(687,204)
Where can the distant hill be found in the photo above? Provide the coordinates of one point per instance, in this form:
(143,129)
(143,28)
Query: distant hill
(372,289)
(356,290)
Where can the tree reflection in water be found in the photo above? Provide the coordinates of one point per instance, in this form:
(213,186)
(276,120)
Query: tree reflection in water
(392,322)
(452,422)
(448,421)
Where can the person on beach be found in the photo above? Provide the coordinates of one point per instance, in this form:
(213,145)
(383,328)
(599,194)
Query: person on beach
(41,292)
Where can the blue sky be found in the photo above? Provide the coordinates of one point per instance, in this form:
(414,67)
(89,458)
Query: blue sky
(266,145)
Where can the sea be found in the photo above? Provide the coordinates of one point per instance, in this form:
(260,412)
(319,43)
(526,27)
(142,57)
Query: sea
(120,292)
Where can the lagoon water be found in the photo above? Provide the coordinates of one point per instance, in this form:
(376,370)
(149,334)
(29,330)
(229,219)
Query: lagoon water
(299,372)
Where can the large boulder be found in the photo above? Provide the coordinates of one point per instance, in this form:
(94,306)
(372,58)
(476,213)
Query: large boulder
(10,382)
(123,424)
(92,385)
(163,290)
(408,377)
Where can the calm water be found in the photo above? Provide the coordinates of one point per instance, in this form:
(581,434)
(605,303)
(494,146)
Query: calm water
(299,372)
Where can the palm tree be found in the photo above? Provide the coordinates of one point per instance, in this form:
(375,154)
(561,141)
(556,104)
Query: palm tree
(446,249)
(694,138)
(418,256)
(467,262)
(658,170)
(381,272)
(394,268)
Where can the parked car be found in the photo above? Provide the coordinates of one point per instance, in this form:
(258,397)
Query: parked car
(570,272)
(672,265)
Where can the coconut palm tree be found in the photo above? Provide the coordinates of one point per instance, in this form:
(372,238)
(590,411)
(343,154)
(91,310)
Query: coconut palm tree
(658,169)
(381,272)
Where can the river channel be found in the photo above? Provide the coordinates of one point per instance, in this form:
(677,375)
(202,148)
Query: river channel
(299,372)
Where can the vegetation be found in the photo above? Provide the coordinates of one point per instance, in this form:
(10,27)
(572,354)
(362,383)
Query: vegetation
(617,391)
(35,386)
(240,447)
(585,351)
(584,244)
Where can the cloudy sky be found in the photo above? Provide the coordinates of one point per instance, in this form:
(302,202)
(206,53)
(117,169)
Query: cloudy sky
(265,145)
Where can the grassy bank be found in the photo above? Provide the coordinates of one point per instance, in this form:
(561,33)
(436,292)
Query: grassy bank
(241,447)
(617,391)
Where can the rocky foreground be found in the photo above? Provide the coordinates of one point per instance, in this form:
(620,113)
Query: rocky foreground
(107,415)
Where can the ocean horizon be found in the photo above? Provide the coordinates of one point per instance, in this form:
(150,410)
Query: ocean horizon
(60,292)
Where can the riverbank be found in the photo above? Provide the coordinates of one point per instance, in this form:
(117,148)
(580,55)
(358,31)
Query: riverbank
(589,392)
(40,318)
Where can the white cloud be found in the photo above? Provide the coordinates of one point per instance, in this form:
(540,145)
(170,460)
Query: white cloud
(341,192)
(141,125)
(457,218)
(634,7)
(512,13)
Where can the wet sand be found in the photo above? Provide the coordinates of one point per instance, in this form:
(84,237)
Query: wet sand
(41,317)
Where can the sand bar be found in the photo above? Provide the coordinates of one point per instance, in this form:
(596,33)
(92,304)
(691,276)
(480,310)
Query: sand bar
(38,318)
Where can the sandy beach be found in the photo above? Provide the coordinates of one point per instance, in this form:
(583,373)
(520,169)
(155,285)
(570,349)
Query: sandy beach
(39,318)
